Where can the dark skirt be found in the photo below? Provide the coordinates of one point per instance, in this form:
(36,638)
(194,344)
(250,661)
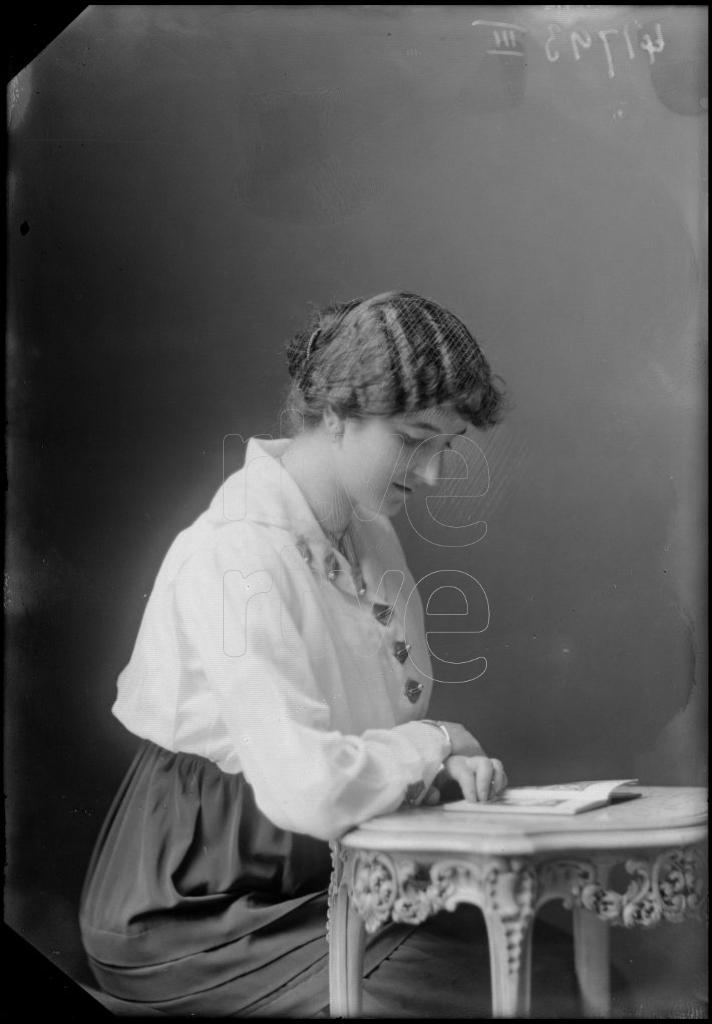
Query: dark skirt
(196,904)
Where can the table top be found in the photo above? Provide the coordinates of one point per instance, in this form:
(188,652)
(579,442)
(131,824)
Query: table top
(662,816)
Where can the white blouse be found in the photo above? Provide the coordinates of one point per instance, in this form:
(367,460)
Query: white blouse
(257,652)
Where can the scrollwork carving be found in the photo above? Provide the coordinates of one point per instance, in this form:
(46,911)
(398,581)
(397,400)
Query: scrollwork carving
(667,888)
(664,887)
(565,878)
(374,889)
(454,881)
(384,888)
(604,903)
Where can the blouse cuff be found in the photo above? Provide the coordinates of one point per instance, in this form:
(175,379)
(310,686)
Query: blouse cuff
(431,744)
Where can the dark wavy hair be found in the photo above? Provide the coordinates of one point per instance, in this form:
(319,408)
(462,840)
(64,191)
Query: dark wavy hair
(386,356)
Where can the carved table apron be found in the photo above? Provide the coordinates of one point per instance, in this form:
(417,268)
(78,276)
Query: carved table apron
(409,865)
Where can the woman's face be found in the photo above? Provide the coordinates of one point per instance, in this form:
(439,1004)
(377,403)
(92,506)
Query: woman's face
(382,460)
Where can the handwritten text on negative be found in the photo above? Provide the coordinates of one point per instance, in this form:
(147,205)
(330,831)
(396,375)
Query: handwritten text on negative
(506,39)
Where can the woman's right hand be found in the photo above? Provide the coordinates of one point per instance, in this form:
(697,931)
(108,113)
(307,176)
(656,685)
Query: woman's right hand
(463,742)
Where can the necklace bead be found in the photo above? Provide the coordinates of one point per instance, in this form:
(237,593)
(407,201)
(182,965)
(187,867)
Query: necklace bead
(401,650)
(413,690)
(383,613)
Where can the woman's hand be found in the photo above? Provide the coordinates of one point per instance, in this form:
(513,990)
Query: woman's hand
(479,777)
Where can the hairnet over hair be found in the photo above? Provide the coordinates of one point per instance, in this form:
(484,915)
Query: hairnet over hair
(385,356)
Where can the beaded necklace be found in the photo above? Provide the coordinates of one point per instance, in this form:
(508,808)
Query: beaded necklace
(345,546)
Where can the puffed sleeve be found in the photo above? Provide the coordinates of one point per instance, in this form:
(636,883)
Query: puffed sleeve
(236,628)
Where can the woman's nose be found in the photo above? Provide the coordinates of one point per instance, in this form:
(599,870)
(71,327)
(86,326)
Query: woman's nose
(430,469)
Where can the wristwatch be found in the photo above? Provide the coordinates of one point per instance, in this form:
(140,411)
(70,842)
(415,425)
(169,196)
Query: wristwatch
(443,728)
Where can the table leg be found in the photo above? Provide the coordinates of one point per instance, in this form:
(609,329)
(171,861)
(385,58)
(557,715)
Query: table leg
(592,959)
(346,946)
(509,892)
(510,949)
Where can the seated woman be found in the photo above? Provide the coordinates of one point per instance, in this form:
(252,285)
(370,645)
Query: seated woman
(280,683)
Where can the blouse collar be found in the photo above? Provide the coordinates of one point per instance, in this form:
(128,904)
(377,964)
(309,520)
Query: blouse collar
(263,491)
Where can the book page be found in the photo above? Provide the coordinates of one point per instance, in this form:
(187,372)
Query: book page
(592,790)
(568,798)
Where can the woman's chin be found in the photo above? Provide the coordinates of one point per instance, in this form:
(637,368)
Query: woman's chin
(394,503)
(390,505)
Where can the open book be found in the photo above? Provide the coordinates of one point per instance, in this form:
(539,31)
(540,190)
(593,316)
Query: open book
(568,798)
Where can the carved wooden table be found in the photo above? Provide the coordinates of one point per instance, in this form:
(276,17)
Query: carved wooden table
(418,861)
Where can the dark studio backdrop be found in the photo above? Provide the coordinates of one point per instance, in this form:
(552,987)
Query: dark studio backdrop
(185,183)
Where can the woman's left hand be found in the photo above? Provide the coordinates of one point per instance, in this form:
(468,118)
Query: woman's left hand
(480,778)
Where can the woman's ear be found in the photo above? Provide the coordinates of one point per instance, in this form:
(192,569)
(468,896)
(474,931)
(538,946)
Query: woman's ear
(333,423)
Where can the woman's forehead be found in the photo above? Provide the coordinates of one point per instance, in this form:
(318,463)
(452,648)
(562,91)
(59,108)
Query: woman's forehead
(439,418)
